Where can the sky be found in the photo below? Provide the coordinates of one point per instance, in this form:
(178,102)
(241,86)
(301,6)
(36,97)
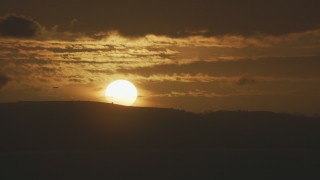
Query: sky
(196,55)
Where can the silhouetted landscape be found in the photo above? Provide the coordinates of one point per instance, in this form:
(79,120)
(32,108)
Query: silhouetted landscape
(91,140)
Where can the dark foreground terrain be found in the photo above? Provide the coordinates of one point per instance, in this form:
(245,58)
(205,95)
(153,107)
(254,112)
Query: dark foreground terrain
(88,140)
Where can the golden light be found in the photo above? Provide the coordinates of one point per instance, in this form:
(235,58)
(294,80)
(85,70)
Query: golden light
(121,92)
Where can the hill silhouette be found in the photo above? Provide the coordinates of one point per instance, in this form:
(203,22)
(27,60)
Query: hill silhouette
(85,140)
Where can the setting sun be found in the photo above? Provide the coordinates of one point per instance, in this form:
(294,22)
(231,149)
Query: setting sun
(121,92)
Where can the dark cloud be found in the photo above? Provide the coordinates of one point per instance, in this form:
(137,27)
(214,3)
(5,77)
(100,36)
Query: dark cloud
(19,26)
(4,79)
(175,17)
(245,80)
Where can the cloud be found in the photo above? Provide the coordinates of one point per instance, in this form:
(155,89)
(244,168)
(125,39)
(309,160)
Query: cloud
(191,93)
(22,27)
(19,27)
(245,80)
(4,79)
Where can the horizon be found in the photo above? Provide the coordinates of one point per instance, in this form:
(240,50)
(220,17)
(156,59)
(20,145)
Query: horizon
(316,115)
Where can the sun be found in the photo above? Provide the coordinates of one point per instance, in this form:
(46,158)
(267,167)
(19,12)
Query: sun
(121,92)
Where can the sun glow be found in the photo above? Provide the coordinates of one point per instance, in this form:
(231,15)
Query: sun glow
(121,92)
